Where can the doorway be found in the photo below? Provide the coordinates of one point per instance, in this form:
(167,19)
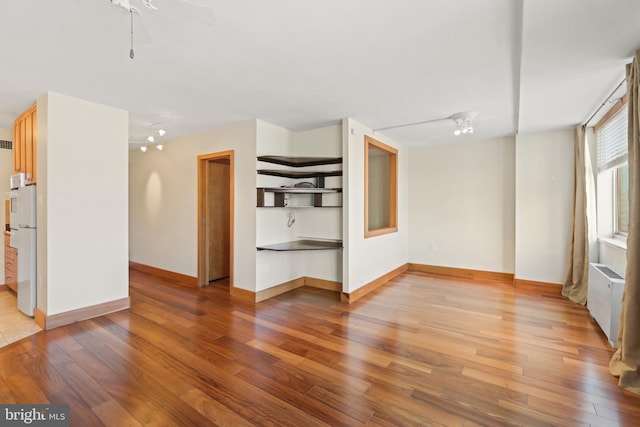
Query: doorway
(215,218)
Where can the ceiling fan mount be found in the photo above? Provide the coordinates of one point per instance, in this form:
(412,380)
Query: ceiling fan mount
(126,6)
(191,10)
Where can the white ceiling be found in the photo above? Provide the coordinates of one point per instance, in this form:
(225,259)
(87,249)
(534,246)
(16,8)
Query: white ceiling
(524,66)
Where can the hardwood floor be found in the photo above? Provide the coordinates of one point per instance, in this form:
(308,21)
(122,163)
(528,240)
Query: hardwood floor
(417,351)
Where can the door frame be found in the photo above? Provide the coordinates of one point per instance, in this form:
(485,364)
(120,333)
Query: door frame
(203,192)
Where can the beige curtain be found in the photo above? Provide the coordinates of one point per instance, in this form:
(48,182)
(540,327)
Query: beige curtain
(625,363)
(575,283)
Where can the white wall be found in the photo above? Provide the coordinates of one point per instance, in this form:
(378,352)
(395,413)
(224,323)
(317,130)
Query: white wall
(544,181)
(367,259)
(274,268)
(614,256)
(82,204)
(462,205)
(164,201)
(6,170)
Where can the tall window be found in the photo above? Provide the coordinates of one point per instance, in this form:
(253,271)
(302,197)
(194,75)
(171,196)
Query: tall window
(612,158)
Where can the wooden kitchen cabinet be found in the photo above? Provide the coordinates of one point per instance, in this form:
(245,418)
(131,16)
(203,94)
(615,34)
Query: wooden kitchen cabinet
(25,144)
(10,265)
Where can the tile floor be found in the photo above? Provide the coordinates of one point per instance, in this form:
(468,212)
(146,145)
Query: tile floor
(13,324)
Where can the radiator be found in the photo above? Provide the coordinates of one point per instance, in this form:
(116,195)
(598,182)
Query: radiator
(604,299)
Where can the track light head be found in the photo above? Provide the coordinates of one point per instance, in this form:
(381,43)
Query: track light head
(155,138)
(463,122)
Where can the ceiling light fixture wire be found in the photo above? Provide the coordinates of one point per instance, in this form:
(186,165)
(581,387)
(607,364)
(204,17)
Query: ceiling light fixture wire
(412,124)
(463,123)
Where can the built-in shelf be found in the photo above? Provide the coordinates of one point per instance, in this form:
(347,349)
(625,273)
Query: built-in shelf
(298,173)
(317,189)
(302,245)
(279,195)
(298,162)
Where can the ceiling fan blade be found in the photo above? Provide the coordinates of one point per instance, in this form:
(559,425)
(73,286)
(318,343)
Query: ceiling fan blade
(200,11)
(149,4)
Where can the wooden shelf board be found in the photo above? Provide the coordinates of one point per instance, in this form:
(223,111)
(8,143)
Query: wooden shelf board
(301,245)
(301,207)
(300,190)
(298,162)
(298,174)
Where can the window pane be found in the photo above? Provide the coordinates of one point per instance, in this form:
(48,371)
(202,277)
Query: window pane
(379,201)
(612,141)
(380,189)
(622,199)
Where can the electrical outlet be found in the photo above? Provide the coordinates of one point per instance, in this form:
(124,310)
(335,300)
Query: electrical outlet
(434,247)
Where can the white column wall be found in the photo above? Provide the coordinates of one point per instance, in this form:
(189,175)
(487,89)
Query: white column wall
(82,189)
(367,259)
(462,205)
(544,182)
(164,202)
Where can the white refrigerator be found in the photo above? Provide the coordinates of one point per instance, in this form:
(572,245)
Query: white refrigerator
(26,246)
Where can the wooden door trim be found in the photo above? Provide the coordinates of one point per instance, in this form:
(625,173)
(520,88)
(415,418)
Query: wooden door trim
(202,191)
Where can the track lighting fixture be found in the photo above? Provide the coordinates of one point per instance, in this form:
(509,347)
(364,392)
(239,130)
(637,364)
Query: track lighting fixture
(157,133)
(156,137)
(463,122)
